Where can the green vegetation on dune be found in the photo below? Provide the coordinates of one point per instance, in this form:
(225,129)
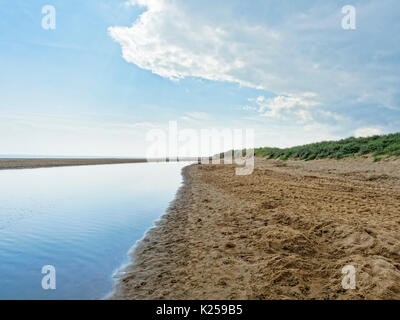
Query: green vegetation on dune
(385,145)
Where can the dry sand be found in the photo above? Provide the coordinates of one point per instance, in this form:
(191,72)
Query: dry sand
(283,232)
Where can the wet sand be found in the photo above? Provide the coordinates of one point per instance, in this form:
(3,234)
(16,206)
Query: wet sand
(283,232)
(26,163)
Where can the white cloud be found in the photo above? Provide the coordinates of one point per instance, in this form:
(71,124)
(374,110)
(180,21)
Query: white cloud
(167,40)
(367,132)
(289,106)
(303,50)
(196,116)
(248,108)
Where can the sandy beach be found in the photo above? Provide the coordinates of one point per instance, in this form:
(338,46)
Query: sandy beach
(283,232)
(27,163)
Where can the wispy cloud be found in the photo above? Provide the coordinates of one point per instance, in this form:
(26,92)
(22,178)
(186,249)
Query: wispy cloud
(287,107)
(367,132)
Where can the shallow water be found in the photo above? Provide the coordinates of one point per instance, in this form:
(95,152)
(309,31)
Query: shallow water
(81,220)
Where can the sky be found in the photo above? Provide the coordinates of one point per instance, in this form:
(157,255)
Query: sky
(111,71)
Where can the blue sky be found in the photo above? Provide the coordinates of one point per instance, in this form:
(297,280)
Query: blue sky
(112,70)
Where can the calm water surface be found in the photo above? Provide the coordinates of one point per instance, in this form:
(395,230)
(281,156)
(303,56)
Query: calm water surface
(82,220)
